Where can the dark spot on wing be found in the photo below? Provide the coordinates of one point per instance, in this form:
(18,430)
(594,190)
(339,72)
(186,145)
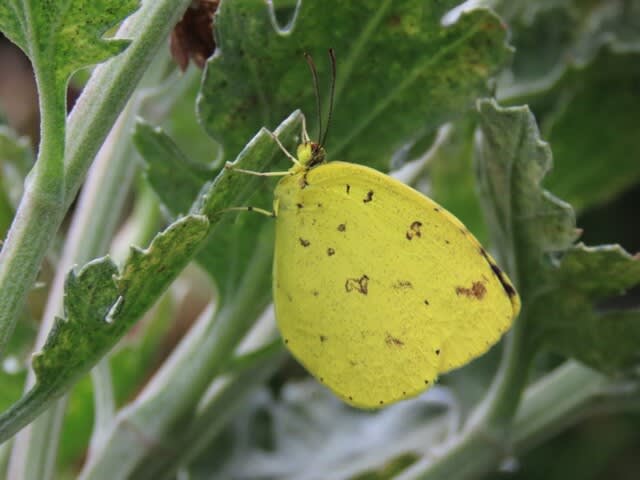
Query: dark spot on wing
(437,351)
(286,340)
(323,338)
(331,251)
(436,209)
(315,293)
(477,291)
(402,285)
(348,189)
(414,230)
(342,227)
(360,285)
(299,205)
(304,243)
(369,197)
(393,341)
(426,302)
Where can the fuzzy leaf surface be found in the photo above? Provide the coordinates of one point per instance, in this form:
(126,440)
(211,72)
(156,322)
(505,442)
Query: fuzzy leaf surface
(400,73)
(62,36)
(561,284)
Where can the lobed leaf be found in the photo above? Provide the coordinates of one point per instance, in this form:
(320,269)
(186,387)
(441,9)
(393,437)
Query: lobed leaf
(400,75)
(606,339)
(101,304)
(234,234)
(561,284)
(174,176)
(524,219)
(62,36)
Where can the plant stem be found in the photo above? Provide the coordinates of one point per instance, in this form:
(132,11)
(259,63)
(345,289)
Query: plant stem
(510,381)
(111,85)
(482,444)
(172,395)
(228,394)
(556,401)
(49,192)
(39,213)
(96,217)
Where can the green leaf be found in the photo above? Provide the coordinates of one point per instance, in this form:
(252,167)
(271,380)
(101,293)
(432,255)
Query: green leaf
(175,178)
(101,304)
(261,154)
(237,255)
(233,235)
(184,127)
(61,37)
(594,136)
(605,339)
(452,176)
(133,360)
(308,412)
(525,220)
(561,284)
(568,53)
(553,35)
(401,74)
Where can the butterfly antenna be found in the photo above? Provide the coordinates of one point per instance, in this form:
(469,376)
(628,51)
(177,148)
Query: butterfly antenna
(332,55)
(314,74)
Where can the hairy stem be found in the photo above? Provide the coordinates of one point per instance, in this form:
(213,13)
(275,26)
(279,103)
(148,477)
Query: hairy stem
(558,400)
(39,213)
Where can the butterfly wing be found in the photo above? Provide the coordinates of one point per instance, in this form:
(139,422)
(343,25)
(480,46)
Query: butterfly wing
(377,289)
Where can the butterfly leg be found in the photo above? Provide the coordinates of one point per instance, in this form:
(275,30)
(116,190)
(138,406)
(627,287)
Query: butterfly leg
(261,211)
(231,166)
(305,134)
(284,150)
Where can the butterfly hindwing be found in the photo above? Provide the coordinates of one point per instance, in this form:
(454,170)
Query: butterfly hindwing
(378,289)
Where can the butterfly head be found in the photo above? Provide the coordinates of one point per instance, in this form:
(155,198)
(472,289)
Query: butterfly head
(310,154)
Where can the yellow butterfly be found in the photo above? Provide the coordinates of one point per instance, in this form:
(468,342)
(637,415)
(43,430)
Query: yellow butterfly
(377,288)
